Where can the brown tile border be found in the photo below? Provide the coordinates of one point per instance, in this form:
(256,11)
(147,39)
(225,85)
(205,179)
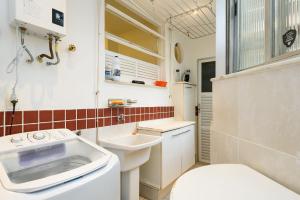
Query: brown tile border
(1,131)
(30,117)
(59,115)
(45,126)
(71,125)
(18,119)
(78,119)
(81,114)
(45,116)
(70,114)
(1,119)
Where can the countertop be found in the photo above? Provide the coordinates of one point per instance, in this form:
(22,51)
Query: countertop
(164,126)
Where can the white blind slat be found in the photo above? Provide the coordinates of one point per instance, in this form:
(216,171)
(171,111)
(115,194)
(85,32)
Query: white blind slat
(134,69)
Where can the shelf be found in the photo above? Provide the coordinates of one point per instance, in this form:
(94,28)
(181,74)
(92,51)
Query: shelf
(133,84)
(127,43)
(187,83)
(134,69)
(136,23)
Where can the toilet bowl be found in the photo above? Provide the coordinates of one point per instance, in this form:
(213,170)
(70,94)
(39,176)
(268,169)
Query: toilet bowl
(228,182)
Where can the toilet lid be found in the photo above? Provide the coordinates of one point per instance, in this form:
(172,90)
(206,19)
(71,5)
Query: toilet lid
(228,182)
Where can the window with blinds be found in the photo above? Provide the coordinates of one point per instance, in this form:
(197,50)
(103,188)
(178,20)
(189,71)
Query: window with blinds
(261,31)
(251,33)
(286,18)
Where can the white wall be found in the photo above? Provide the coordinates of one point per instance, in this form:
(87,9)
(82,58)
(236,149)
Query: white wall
(193,49)
(221,37)
(72,84)
(201,48)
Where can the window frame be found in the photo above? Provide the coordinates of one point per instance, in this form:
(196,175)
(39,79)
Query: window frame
(231,35)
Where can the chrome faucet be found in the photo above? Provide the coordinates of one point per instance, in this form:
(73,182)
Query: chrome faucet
(121,118)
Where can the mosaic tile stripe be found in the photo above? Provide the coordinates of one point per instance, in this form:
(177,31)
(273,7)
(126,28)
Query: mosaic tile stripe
(78,119)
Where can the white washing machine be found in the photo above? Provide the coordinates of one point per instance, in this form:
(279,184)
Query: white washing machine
(56,165)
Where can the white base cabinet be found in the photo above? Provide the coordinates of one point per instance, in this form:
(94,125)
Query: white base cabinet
(170,159)
(188,152)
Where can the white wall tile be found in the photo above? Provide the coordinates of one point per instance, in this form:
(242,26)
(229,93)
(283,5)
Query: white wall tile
(225,106)
(256,116)
(277,165)
(269,109)
(224,149)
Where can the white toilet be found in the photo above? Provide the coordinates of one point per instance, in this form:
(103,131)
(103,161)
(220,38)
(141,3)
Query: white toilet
(228,182)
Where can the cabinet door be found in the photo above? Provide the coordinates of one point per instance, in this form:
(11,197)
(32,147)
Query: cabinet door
(188,148)
(171,158)
(189,103)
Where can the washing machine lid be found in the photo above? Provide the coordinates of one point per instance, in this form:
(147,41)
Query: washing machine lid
(38,165)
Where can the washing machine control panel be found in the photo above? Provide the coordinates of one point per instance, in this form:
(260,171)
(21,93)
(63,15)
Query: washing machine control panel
(17,139)
(39,135)
(36,137)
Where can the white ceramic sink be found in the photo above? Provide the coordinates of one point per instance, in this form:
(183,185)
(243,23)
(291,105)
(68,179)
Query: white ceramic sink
(132,150)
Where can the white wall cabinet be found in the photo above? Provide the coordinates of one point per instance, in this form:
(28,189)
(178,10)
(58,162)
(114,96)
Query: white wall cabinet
(184,98)
(171,158)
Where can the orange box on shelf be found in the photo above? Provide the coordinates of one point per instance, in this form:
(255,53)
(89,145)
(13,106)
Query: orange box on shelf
(161,83)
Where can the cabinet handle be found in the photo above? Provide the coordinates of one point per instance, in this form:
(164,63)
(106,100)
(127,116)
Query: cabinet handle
(188,87)
(180,133)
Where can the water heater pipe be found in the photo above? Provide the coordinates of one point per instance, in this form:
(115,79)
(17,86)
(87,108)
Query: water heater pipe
(31,59)
(56,53)
(40,57)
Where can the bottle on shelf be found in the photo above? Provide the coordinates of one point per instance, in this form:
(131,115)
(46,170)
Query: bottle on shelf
(116,72)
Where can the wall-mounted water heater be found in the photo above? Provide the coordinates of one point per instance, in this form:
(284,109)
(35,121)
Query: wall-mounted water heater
(41,17)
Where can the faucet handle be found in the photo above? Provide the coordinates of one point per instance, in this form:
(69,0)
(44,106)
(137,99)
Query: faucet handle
(121,118)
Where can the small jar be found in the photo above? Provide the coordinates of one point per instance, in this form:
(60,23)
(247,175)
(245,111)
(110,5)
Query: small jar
(178,76)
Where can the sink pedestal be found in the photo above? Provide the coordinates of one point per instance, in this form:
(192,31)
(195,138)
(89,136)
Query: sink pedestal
(130,183)
(133,151)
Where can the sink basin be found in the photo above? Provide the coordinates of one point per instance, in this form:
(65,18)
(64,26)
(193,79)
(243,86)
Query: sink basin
(132,150)
(131,142)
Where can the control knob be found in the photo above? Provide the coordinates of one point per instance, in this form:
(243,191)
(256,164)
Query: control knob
(39,136)
(16,139)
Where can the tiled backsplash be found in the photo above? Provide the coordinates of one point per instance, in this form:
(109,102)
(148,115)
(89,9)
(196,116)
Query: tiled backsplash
(25,121)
